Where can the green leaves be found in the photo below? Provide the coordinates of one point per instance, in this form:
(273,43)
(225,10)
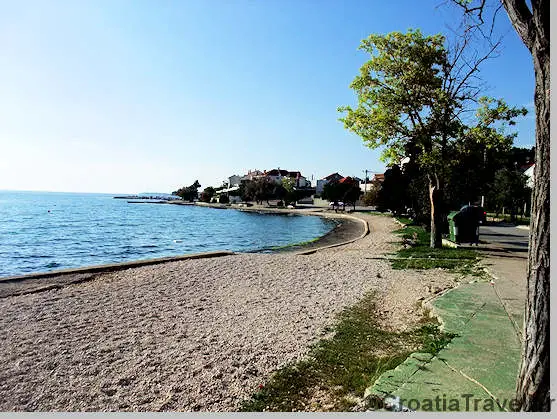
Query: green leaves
(398,89)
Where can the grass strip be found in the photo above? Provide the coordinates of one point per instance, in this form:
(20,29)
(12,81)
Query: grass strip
(336,372)
(421,256)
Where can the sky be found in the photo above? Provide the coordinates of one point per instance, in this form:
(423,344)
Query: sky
(148,96)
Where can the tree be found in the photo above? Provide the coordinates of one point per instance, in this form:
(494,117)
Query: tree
(412,92)
(259,189)
(509,191)
(346,191)
(333,192)
(531,20)
(289,194)
(481,150)
(207,194)
(370,198)
(393,191)
(352,193)
(188,193)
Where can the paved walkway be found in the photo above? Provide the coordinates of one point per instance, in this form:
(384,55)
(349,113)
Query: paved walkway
(477,370)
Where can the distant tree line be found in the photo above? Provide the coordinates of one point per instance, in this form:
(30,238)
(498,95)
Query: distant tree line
(263,189)
(260,190)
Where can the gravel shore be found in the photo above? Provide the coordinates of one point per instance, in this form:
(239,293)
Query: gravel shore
(193,335)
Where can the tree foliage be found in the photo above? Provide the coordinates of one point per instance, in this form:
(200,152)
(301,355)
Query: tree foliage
(259,189)
(509,191)
(393,192)
(370,197)
(347,192)
(411,95)
(188,193)
(207,194)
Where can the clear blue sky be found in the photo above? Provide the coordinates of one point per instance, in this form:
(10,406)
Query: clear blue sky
(132,96)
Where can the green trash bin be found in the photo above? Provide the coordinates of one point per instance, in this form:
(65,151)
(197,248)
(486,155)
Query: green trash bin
(453,228)
(464,227)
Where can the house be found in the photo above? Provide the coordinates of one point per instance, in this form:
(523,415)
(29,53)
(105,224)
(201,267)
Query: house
(276,175)
(234,180)
(333,177)
(232,198)
(251,175)
(374,183)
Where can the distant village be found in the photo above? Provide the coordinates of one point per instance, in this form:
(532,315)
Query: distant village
(280,187)
(300,183)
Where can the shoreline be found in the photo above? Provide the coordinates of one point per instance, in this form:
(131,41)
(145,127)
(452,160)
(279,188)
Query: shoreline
(347,230)
(197,334)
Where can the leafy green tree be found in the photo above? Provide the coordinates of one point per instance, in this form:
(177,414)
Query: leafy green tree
(188,193)
(259,189)
(332,192)
(347,192)
(510,191)
(393,192)
(412,92)
(289,186)
(370,198)
(207,194)
(352,193)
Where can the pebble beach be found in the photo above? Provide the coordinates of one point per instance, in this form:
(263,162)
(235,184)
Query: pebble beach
(194,335)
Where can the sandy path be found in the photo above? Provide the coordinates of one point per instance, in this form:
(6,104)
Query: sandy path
(190,335)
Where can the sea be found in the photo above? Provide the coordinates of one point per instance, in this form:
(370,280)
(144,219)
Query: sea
(46,231)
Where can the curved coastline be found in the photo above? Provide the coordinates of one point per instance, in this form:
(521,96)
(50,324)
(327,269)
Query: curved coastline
(348,230)
(194,335)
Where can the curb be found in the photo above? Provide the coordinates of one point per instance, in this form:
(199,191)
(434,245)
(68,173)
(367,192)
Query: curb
(365,233)
(115,266)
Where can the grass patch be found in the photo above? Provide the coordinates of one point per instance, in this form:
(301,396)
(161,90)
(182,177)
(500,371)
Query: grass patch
(421,256)
(294,245)
(404,220)
(338,370)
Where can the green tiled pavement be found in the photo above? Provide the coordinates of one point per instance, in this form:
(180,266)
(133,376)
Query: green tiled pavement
(482,360)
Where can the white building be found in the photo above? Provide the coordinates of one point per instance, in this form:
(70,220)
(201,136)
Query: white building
(530,174)
(234,180)
(333,177)
(277,175)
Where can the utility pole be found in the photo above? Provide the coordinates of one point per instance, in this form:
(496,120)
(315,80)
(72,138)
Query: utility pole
(365,179)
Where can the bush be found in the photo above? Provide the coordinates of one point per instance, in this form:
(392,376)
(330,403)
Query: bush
(370,198)
(223,199)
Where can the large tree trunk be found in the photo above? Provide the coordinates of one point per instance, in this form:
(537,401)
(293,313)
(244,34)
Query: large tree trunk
(532,25)
(435,199)
(533,382)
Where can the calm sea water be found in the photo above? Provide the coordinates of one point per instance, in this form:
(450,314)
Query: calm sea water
(42,231)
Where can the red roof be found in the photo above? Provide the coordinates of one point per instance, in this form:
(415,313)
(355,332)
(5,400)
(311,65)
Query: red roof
(333,176)
(347,179)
